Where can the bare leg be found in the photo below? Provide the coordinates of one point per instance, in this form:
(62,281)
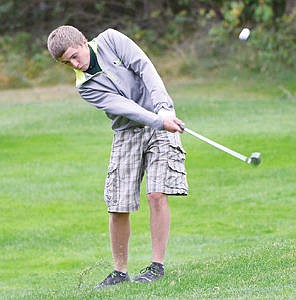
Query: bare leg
(159,225)
(119,226)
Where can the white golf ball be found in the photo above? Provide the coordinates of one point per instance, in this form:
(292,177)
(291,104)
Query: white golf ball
(245,33)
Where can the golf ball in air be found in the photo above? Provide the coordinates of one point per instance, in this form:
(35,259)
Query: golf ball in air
(245,33)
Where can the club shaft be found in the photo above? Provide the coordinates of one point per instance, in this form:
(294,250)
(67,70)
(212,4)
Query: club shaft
(217,145)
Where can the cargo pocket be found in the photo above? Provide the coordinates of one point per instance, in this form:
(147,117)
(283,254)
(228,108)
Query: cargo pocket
(111,192)
(176,179)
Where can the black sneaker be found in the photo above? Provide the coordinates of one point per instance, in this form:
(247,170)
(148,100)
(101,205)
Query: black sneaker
(113,278)
(151,273)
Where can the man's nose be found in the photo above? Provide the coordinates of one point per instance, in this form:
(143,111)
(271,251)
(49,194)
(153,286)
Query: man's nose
(74,63)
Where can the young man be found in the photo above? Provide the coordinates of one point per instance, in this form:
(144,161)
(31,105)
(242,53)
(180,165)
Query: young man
(114,74)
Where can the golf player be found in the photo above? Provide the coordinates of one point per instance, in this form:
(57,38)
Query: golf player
(114,75)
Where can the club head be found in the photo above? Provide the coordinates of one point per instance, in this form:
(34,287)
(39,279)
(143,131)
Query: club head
(255,158)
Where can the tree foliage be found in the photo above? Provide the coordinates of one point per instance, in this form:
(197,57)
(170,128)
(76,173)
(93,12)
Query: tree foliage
(194,29)
(38,17)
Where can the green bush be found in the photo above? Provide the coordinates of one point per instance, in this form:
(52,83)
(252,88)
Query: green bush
(192,42)
(276,47)
(25,63)
(269,48)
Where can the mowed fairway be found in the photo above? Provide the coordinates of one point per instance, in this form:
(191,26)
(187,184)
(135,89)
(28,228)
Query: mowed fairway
(233,237)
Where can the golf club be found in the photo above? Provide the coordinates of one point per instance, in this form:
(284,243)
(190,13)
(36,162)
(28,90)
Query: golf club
(254,159)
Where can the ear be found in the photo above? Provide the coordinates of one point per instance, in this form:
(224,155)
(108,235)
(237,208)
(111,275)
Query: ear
(84,43)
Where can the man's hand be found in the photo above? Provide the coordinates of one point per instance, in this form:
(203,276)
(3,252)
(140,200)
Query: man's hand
(172,124)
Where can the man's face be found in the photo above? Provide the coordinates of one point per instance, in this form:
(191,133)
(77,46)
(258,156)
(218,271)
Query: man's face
(78,58)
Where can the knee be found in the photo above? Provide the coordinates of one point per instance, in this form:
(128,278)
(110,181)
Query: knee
(157,201)
(119,217)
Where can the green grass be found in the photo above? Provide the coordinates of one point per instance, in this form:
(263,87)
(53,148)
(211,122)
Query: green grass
(233,237)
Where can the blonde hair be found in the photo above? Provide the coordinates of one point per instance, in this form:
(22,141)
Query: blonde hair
(63,37)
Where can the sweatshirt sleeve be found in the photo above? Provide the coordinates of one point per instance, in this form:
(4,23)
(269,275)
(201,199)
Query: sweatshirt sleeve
(127,108)
(134,58)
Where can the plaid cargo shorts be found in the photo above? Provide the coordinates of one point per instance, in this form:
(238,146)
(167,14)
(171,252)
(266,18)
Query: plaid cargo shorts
(135,151)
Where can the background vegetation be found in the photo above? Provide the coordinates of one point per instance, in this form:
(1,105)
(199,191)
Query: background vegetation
(189,36)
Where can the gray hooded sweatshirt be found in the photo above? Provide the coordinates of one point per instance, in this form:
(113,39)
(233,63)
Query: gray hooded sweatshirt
(128,88)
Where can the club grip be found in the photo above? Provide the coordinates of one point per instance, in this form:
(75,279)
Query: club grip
(182,127)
